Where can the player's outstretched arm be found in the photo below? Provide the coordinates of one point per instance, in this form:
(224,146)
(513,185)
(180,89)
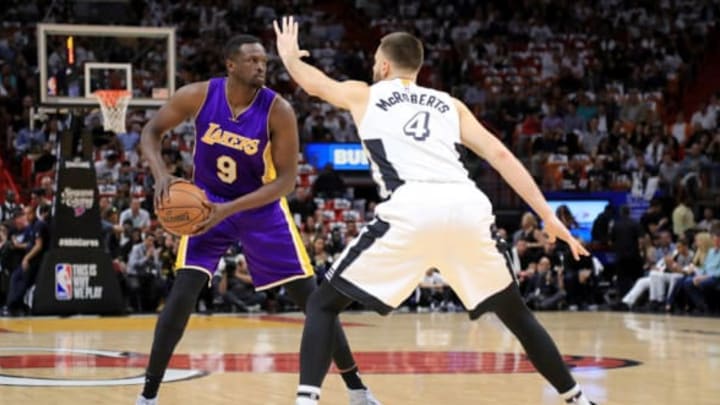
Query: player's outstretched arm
(476,137)
(316,83)
(182,105)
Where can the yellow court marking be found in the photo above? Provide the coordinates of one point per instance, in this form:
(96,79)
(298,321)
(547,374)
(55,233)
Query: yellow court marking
(139,323)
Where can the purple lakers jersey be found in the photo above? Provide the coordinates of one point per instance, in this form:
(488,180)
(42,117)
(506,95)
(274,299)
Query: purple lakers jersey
(232,154)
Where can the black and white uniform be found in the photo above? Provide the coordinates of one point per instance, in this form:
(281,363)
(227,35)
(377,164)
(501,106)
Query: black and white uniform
(433,215)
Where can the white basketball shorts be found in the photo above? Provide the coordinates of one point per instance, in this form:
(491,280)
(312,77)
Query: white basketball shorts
(423,225)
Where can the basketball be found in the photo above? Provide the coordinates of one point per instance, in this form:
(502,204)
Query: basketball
(184,209)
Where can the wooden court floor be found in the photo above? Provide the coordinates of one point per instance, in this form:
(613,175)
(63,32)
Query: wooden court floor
(406,359)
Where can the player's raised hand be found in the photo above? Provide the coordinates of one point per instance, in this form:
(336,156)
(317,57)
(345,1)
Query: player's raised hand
(555,229)
(287,39)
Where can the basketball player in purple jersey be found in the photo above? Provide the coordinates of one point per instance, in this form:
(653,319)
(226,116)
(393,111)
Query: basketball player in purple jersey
(245,160)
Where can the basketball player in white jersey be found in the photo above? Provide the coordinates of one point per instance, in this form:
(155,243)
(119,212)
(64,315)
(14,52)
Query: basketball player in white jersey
(433,214)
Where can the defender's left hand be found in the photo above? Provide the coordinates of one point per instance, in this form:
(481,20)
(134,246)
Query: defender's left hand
(218,212)
(555,229)
(287,39)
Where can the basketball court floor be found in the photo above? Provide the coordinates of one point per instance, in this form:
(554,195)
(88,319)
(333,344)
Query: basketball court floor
(407,359)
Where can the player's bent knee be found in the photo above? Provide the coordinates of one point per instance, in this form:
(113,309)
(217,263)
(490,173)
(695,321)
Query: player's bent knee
(326,299)
(506,301)
(314,304)
(300,290)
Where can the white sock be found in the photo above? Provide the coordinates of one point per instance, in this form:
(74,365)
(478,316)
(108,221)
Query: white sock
(575,396)
(307,395)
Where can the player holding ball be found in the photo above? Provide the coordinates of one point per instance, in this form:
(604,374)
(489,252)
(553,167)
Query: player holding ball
(245,162)
(183,209)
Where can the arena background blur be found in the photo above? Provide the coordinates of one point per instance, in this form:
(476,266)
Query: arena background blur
(610,104)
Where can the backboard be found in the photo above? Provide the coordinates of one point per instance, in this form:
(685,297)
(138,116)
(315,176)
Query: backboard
(76,60)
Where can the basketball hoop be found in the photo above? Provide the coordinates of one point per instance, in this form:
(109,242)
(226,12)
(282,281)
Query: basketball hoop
(113,104)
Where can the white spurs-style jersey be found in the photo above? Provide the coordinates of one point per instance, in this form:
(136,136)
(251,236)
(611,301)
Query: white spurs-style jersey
(411,134)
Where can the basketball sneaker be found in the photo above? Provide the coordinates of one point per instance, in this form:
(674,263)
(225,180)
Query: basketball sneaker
(579,400)
(362,397)
(144,401)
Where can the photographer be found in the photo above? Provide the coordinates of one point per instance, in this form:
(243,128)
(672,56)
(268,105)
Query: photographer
(236,287)
(433,292)
(168,256)
(547,290)
(143,275)
(335,243)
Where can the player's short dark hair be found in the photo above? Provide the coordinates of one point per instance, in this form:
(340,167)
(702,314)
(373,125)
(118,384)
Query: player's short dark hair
(232,47)
(403,49)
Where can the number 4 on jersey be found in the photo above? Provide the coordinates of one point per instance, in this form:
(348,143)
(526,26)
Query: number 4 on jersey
(417,126)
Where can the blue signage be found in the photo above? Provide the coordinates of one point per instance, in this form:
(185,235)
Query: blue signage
(342,156)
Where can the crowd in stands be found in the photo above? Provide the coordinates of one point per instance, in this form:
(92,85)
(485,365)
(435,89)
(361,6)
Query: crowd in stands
(665,262)
(587,93)
(582,88)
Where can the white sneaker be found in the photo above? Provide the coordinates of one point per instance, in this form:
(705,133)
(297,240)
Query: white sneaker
(362,397)
(144,401)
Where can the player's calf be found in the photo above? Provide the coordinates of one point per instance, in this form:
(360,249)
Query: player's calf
(539,346)
(169,329)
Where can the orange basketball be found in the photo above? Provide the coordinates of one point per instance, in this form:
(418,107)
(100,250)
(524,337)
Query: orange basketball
(183,209)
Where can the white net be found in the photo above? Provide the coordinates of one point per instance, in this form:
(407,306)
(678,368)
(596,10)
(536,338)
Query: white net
(113,104)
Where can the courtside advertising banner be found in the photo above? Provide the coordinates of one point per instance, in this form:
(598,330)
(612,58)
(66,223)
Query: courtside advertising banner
(342,156)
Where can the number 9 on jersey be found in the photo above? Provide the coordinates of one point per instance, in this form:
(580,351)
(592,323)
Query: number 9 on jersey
(226,169)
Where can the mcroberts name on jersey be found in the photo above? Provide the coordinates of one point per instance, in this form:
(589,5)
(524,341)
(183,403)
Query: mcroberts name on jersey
(413,98)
